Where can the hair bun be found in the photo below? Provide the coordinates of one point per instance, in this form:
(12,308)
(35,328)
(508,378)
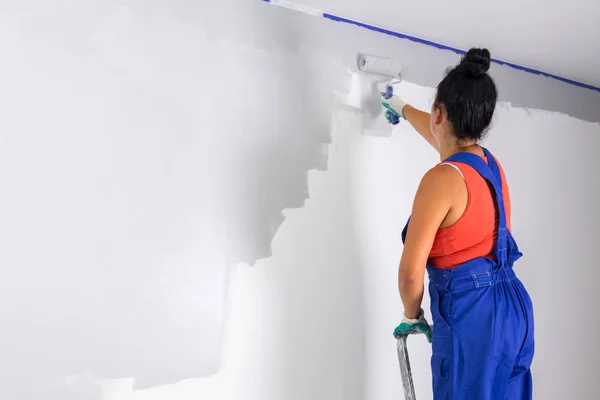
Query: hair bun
(476,61)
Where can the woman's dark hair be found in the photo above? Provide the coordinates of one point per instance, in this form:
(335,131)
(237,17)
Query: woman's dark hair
(469,95)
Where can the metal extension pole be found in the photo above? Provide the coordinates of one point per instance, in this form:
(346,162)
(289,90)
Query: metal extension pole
(407,381)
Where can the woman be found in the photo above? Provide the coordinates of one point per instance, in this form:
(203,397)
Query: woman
(460,232)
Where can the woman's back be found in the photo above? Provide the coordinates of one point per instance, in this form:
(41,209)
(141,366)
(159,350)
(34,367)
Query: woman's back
(473,234)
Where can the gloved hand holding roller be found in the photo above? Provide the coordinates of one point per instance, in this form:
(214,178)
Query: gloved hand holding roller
(394,106)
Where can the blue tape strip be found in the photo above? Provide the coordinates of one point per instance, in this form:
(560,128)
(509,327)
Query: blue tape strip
(392,33)
(453,49)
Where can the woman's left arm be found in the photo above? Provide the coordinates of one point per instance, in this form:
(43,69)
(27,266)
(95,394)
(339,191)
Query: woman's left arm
(431,206)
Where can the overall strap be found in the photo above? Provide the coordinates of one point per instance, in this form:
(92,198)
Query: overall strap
(490,173)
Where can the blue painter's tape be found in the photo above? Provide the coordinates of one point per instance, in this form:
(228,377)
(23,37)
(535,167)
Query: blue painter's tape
(454,50)
(391,33)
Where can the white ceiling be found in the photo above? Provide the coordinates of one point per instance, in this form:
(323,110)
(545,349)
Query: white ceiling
(562,38)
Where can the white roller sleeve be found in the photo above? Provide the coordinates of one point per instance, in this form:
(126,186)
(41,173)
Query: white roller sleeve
(379,66)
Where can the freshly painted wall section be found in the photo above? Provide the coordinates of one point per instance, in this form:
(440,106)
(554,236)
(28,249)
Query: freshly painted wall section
(137,165)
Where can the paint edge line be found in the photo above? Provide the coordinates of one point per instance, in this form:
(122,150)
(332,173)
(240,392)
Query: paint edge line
(336,18)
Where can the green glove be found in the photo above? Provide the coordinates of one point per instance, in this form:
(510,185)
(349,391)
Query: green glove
(409,326)
(395,105)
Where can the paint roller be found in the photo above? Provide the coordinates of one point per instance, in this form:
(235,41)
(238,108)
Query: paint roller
(390,73)
(380,66)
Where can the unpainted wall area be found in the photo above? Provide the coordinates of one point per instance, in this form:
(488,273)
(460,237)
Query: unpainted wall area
(425,65)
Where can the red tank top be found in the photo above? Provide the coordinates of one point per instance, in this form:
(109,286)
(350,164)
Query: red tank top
(474,234)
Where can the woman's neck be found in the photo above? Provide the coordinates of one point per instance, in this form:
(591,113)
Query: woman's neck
(452,147)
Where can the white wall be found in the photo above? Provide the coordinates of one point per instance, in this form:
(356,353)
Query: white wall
(133,179)
(141,157)
(315,320)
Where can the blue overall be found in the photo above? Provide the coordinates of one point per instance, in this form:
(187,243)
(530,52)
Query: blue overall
(483,341)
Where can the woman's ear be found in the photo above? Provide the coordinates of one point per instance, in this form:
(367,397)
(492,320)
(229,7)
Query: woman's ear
(437,115)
